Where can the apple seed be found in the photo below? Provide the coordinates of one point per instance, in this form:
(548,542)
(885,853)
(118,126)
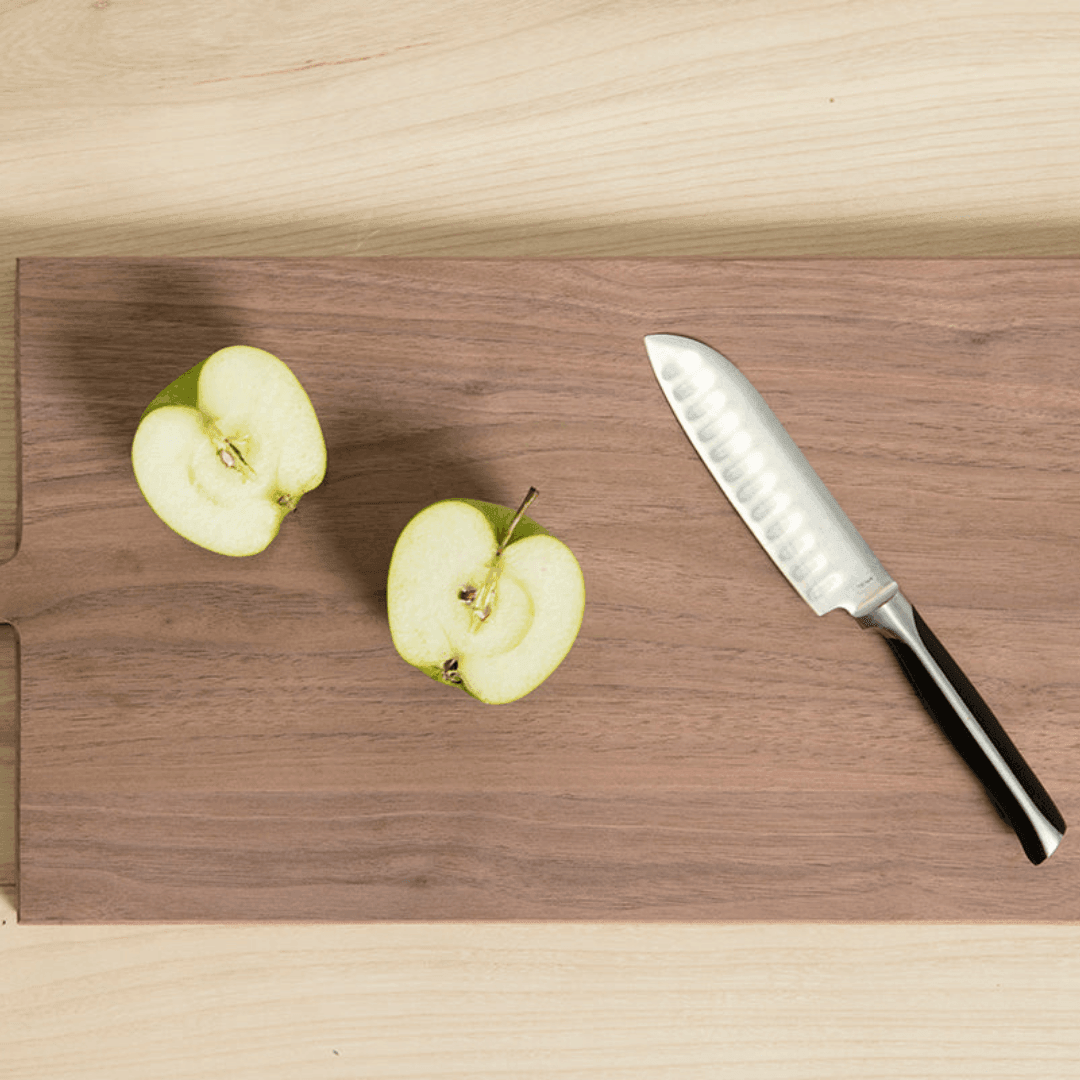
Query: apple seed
(229,453)
(235,450)
(450,672)
(467,594)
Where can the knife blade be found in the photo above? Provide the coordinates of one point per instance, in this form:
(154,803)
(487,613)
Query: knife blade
(812,541)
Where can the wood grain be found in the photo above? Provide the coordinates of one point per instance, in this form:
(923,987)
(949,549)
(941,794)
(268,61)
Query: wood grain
(206,738)
(580,1000)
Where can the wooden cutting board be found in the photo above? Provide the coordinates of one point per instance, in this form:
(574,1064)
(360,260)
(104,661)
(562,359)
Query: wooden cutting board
(206,738)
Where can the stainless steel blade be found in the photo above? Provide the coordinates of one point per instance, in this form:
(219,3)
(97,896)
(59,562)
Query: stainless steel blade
(767,479)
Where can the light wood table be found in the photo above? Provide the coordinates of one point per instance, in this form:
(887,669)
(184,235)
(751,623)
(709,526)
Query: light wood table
(554,128)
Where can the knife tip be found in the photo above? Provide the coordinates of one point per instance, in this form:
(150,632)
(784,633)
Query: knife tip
(655,342)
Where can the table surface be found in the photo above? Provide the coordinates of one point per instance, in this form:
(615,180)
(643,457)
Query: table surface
(559,128)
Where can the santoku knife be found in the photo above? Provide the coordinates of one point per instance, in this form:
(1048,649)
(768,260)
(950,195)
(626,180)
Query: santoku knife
(806,534)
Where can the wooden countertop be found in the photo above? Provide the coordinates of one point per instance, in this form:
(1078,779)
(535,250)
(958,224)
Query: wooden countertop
(569,129)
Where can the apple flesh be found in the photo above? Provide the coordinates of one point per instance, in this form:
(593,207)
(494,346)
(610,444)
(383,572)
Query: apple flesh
(481,597)
(225,451)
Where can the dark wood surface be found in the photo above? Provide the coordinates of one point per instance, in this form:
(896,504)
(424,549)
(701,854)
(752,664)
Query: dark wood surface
(205,738)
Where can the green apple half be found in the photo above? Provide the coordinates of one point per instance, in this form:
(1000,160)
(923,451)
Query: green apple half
(483,598)
(225,451)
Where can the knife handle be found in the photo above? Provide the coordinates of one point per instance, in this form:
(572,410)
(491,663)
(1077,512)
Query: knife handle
(970,726)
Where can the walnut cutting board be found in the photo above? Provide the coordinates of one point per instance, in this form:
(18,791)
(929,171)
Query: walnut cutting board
(206,738)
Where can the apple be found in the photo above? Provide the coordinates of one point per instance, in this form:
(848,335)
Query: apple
(481,597)
(225,451)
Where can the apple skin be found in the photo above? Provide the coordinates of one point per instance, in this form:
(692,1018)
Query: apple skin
(182,391)
(499,518)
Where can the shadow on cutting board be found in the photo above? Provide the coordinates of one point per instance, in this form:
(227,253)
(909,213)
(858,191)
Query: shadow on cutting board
(143,322)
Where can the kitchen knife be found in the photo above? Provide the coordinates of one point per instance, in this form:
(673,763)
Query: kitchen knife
(810,539)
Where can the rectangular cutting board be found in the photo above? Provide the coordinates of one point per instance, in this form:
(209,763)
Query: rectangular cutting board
(209,738)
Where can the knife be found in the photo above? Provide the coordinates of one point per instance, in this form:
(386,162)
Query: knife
(811,540)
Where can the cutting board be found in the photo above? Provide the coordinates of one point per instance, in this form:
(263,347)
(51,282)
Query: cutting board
(209,738)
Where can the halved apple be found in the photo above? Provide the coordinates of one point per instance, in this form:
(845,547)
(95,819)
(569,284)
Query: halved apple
(225,451)
(481,597)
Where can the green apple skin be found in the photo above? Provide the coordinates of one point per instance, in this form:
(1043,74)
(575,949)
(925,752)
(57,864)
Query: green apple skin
(182,391)
(179,414)
(500,517)
(496,520)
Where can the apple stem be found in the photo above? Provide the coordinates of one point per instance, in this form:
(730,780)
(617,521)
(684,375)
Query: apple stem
(482,600)
(526,503)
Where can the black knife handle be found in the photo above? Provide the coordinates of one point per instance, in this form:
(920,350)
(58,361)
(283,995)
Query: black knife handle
(970,726)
